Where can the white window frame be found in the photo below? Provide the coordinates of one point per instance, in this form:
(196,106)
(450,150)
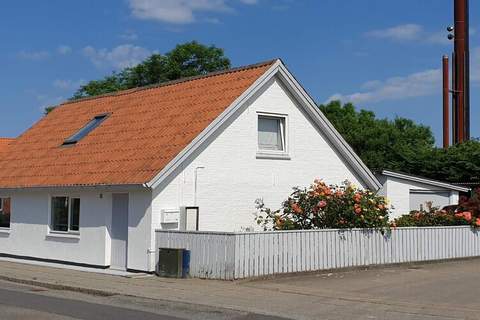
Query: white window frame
(274,154)
(50,218)
(6,229)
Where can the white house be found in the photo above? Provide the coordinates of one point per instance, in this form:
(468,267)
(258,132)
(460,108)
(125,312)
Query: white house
(89,183)
(408,193)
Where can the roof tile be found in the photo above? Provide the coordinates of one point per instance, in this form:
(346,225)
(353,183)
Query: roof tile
(146,129)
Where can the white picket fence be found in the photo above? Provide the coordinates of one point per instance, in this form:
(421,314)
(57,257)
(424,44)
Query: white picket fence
(228,256)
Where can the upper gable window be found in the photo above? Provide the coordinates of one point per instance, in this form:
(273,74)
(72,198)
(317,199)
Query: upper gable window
(271,133)
(89,127)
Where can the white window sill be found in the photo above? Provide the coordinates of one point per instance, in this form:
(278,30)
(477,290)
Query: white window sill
(273,155)
(5,231)
(64,235)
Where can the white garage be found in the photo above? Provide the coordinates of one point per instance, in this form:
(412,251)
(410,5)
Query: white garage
(407,192)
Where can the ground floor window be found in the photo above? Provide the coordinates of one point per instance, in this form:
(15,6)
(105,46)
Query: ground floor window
(65,214)
(5,211)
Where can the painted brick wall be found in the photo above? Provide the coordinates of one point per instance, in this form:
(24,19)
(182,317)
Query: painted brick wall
(29,232)
(233,177)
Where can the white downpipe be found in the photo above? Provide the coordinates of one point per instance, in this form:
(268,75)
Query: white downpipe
(195,187)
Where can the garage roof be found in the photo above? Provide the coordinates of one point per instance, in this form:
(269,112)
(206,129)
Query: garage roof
(423,180)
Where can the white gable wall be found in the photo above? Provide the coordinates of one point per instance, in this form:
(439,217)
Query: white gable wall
(233,177)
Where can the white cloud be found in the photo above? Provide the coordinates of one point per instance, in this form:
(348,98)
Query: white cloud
(417,84)
(64,50)
(404,32)
(475,65)
(67,84)
(179,11)
(120,57)
(412,32)
(46,100)
(34,55)
(129,35)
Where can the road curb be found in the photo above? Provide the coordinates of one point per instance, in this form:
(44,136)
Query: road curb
(55,286)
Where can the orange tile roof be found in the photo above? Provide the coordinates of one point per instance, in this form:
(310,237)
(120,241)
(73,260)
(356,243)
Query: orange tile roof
(146,129)
(4,142)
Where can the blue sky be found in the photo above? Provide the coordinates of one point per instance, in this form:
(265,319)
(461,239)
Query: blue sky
(382,55)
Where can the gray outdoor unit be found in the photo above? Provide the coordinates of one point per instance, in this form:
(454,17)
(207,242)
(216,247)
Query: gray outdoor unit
(173,263)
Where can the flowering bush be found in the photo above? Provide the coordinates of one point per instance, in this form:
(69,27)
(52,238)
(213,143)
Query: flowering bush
(434,217)
(321,206)
(471,204)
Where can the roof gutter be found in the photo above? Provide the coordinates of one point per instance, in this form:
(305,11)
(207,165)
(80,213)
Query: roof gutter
(110,187)
(424,181)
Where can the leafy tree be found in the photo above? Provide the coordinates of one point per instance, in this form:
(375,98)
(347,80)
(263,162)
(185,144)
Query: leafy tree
(48,110)
(402,145)
(381,143)
(458,163)
(185,60)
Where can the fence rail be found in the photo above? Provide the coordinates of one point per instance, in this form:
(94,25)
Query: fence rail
(228,256)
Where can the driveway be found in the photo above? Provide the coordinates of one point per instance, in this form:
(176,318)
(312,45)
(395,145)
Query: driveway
(447,290)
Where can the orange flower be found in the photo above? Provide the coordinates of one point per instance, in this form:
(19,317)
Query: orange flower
(477,222)
(296,208)
(357,197)
(327,191)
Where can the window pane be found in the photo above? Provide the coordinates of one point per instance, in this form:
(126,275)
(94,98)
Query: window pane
(85,130)
(75,215)
(5,213)
(60,214)
(270,133)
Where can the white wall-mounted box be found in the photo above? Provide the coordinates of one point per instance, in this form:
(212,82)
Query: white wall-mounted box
(170,215)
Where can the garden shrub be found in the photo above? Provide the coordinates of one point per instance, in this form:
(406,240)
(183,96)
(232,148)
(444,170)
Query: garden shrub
(321,206)
(433,217)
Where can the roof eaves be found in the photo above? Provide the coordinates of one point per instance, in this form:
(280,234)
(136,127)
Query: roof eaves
(428,181)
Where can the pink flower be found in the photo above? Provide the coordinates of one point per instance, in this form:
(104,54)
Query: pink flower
(464,215)
(357,209)
(322,204)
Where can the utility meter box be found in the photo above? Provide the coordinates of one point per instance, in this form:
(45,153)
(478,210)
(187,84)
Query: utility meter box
(170,216)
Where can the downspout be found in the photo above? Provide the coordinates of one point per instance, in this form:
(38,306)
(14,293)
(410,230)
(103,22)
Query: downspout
(195,186)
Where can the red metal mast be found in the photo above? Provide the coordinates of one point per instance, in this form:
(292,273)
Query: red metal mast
(460,75)
(446,107)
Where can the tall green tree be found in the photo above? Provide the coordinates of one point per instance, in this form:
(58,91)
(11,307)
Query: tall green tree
(185,60)
(458,163)
(403,145)
(381,143)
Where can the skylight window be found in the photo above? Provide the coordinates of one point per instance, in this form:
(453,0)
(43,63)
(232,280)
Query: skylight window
(94,123)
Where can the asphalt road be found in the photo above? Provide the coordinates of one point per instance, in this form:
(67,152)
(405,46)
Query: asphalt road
(20,302)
